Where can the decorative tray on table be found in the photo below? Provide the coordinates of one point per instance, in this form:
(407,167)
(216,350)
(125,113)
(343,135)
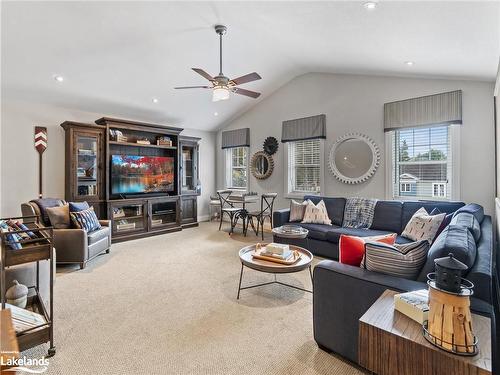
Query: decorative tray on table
(259,253)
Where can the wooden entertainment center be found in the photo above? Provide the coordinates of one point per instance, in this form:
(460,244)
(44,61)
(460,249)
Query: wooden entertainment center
(170,204)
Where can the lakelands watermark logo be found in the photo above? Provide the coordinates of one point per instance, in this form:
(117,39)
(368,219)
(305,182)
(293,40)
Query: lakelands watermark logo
(24,364)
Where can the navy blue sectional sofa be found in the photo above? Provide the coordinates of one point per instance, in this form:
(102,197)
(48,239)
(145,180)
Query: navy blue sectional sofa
(343,293)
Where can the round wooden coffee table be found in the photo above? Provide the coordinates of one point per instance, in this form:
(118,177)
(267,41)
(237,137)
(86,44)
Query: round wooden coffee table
(274,268)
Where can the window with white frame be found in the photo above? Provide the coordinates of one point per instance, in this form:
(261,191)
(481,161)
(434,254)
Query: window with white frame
(304,166)
(439,189)
(405,187)
(423,162)
(237,168)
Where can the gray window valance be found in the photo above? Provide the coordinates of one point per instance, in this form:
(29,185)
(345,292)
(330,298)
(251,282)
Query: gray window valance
(438,109)
(236,138)
(312,127)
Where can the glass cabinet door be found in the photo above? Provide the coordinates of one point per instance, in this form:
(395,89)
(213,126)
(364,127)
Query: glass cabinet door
(129,217)
(163,214)
(87,165)
(189,177)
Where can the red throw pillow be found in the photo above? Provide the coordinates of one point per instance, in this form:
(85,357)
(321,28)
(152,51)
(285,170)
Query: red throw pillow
(352,248)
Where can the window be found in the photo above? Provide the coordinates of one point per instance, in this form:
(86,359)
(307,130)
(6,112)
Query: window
(237,168)
(405,187)
(305,166)
(439,189)
(422,162)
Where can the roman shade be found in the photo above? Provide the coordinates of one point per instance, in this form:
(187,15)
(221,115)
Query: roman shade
(312,127)
(236,138)
(433,110)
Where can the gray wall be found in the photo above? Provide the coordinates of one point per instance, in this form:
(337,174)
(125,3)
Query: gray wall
(20,160)
(355,103)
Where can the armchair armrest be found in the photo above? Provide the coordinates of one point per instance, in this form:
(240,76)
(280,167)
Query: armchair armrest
(104,223)
(281,217)
(71,245)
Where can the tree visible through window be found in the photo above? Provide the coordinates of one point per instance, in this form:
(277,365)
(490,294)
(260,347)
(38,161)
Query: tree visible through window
(422,162)
(304,166)
(237,172)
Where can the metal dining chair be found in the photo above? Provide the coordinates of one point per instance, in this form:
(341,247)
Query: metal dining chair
(228,208)
(266,211)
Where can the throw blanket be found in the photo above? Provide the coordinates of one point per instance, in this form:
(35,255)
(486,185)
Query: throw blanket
(358,212)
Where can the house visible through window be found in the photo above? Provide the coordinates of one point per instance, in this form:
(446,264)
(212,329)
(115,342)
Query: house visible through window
(422,163)
(237,167)
(439,189)
(304,166)
(405,187)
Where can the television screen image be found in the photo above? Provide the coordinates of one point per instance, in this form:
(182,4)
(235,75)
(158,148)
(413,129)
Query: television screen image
(141,174)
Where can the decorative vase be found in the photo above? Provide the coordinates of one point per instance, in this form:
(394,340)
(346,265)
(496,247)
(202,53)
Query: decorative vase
(17,295)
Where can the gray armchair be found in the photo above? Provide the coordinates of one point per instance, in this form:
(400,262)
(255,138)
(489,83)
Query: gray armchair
(73,245)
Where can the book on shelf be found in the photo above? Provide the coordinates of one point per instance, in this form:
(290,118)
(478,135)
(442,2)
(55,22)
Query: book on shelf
(414,304)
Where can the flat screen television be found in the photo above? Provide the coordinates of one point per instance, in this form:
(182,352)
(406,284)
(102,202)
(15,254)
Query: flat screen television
(142,174)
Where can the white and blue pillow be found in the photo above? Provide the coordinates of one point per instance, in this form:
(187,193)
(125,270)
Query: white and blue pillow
(86,220)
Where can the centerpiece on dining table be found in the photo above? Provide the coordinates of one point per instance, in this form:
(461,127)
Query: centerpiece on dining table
(276,252)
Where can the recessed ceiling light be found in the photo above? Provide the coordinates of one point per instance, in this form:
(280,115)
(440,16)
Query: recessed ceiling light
(216,114)
(58,78)
(409,63)
(370,5)
(154,100)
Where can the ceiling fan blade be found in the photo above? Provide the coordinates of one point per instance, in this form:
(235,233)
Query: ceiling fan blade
(192,87)
(246,78)
(202,73)
(249,93)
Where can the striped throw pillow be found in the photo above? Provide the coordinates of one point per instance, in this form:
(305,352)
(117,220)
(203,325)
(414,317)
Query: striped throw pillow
(86,220)
(404,260)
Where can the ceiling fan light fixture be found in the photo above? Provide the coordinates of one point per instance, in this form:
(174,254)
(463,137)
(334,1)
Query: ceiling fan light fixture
(220,93)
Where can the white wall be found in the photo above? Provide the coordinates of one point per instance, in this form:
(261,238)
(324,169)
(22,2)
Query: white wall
(20,160)
(355,103)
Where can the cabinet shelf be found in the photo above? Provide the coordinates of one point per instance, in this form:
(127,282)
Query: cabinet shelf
(141,145)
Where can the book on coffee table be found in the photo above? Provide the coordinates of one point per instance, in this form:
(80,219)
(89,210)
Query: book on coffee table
(414,304)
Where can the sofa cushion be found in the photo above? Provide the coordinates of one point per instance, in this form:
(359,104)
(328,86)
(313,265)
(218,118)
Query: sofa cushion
(297,210)
(468,220)
(474,209)
(316,213)
(387,216)
(399,260)
(334,207)
(402,240)
(78,206)
(316,231)
(410,207)
(423,226)
(43,204)
(352,248)
(334,233)
(59,216)
(454,239)
(97,235)
(86,220)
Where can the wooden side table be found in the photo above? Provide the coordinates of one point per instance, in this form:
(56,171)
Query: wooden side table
(390,343)
(9,349)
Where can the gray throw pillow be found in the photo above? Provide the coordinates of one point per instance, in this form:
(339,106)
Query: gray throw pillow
(59,217)
(400,260)
(297,210)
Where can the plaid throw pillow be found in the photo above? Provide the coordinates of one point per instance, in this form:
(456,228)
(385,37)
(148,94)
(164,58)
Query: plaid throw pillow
(86,220)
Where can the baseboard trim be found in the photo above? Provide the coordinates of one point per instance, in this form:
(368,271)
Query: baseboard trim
(203,218)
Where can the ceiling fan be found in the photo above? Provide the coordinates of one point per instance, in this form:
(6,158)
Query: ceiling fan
(222,85)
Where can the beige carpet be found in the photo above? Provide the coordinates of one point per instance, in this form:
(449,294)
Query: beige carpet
(167,305)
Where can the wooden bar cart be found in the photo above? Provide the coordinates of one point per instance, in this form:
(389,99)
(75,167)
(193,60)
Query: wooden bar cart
(38,248)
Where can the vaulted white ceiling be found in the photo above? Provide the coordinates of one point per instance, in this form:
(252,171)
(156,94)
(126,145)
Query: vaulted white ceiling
(116,56)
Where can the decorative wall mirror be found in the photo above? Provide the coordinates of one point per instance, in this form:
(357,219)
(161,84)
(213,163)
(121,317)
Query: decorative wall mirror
(354,158)
(262,165)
